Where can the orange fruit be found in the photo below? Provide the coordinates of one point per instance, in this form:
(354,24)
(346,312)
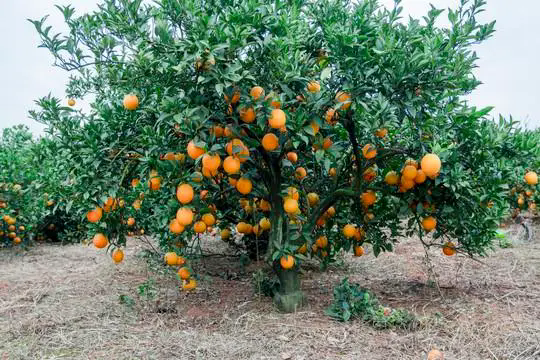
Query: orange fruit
(300,173)
(193,150)
(313,87)
(391,178)
(409,172)
(349,230)
(270,142)
(190,284)
(217,131)
(265,224)
(315,126)
(321,242)
(130,221)
(380,133)
(17,240)
(233,181)
(175,227)
(184,193)
(332,172)
(287,262)
(154,183)
(225,234)
(171,258)
(429,223)
(256,92)
(231,165)
(243,228)
(234,146)
(331,117)
(359,250)
(277,119)
(12,235)
(117,256)
(184,216)
(369,151)
(247,114)
(100,241)
(184,273)
(211,162)
(11,228)
(244,186)
(292,157)
(203,194)
(368,198)
(531,178)
(137,204)
(420,177)
(290,205)
(345,99)
(369,174)
(199,227)
(302,249)
(135,182)
(264,205)
(313,199)
(431,165)
(412,162)
(131,102)
(449,249)
(197,177)
(208,219)
(407,184)
(235,97)
(94,216)
(293,193)
(331,211)
(327,143)
(71,102)
(208,173)
(168,156)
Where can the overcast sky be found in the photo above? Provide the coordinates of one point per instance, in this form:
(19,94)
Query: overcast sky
(508,61)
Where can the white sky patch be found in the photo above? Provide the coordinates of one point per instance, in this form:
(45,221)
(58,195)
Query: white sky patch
(508,65)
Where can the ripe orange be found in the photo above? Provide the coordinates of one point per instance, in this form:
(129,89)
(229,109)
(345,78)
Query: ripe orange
(168,156)
(313,199)
(17,240)
(117,256)
(287,262)
(208,173)
(135,182)
(270,142)
(368,198)
(243,228)
(407,184)
(380,133)
(349,230)
(217,131)
(313,87)
(321,242)
(331,211)
(431,165)
(302,249)
(369,151)
(247,114)
(531,178)
(331,117)
(203,194)
(300,173)
(332,172)
(94,216)
(344,98)
(12,235)
(293,193)
(131,102)
(264,205)
(290,205)
(100,241)
(184,273)
(256,92)
(264,223)
(235,97)
(199,227)
(234,146)
(412,162)
(359,250)
(154,184)
(409,172)
(130,221)
(137,204)
(449,249)
(369,174)
(184,216)
(71,102)
(12,228)
(175,227)
(211,162)
(190,284)
(244,185)
(277,119)
(184,193)
(327,143)
(315,126)
(225,234)
(193,150)
(292,157)
(231,165)
(420,176)
(209,219)
(171,258)
(429,223)
(391,178)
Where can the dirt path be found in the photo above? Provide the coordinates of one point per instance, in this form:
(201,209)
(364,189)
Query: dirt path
(62,302)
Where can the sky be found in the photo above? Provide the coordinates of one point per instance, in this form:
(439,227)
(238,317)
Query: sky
(508,64)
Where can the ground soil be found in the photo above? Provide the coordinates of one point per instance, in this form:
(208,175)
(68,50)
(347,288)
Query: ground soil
(71,302)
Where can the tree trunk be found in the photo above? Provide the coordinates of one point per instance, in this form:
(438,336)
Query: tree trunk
(289,297)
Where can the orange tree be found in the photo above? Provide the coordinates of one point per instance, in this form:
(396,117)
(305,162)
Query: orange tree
(306,127)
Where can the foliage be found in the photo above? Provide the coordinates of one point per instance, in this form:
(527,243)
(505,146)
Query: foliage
(351,301)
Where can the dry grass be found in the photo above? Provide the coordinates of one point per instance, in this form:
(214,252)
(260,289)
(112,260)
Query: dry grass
(63,303)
